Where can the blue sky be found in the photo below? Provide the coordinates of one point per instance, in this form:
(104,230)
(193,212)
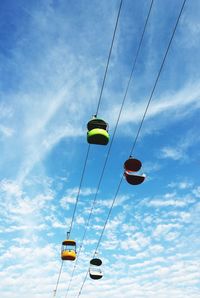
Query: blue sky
(53,56)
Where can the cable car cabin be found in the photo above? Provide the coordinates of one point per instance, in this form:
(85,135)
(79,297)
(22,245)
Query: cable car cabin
(95,270)
(134,179)
(131,166)
(68,251)
(97,132)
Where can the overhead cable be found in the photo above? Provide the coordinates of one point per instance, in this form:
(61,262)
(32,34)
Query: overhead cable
(55,291)
(137,135)
(105,163)
(109,55)
(87,154)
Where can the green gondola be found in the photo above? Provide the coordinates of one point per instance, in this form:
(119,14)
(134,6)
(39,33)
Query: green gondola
(97,132)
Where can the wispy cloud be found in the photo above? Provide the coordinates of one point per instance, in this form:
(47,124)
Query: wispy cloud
(175,103)
(180,150)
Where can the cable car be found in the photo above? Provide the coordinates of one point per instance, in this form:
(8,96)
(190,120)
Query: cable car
(68,251)
(97,132)
(95,270)
(131,166)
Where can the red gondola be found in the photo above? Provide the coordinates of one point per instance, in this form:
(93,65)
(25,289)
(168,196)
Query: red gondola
(131,166)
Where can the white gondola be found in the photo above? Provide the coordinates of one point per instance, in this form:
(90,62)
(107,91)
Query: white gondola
(95,270)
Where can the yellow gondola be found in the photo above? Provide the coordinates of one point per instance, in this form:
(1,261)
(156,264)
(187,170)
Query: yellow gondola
(68,251)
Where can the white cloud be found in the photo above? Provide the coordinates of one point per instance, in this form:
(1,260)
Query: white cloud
(165,203)
(170,199)
(172,236)
(67,200)
(11,188)
(85,191)
(137,242)
(80,220)
(120,200)
(179,151)
(172,153)
(192,27)
(128,228)
(196,192)
(6,131)
(185,184)
(73,193)
(163,229)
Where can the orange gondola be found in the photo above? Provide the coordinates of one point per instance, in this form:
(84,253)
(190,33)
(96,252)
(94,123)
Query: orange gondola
(68,251)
